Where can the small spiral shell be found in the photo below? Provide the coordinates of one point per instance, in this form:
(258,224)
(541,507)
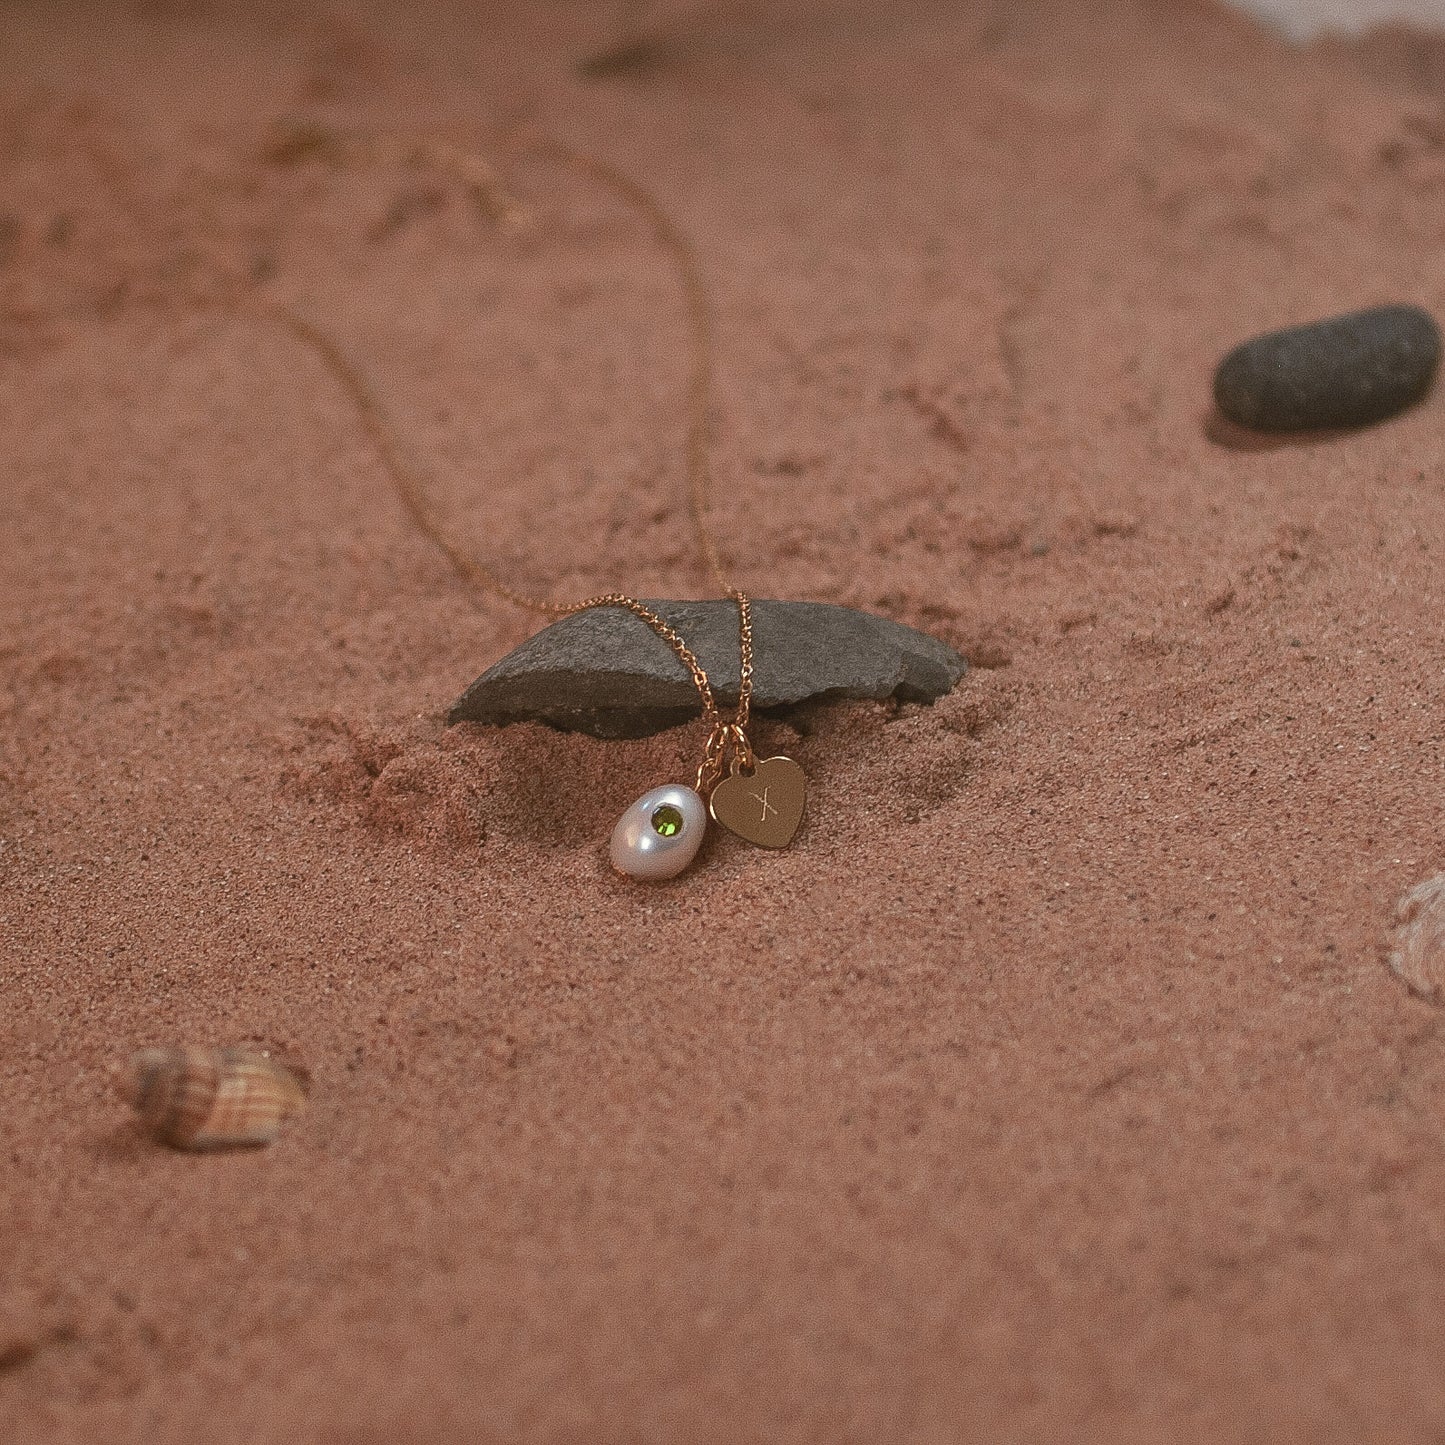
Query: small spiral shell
(194,1098)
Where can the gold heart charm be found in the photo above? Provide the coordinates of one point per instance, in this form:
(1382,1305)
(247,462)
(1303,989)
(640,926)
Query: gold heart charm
(764,806)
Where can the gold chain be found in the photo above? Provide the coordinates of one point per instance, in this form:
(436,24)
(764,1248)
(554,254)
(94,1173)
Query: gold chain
(482,183)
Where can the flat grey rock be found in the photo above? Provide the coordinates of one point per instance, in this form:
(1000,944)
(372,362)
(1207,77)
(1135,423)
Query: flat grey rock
(607,673)
(1344,371)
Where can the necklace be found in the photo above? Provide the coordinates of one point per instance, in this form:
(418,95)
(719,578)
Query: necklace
(758,799)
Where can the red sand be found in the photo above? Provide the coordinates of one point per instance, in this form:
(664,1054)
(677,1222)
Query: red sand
(1052,1086)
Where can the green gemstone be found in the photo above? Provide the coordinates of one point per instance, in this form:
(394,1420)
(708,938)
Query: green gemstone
(667,821)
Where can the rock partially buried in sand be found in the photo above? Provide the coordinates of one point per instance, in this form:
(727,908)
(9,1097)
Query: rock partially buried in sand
(605,672)
(1346,371)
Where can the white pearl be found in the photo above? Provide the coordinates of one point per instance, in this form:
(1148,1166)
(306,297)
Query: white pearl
(641,850)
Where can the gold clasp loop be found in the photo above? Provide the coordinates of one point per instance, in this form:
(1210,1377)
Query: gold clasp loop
(743,759)
(710,769)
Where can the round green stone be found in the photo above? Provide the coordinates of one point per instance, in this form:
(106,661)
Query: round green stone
(667,821)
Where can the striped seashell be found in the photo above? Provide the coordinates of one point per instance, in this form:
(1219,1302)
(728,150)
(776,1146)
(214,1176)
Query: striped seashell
(193,1098)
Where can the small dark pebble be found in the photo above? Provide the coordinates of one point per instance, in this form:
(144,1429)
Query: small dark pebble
(1345,371)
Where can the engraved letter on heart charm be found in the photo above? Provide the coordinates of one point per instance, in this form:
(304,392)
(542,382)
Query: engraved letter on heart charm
(764,806)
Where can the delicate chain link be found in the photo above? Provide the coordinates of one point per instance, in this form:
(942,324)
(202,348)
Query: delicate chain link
(745,660)
(483,184)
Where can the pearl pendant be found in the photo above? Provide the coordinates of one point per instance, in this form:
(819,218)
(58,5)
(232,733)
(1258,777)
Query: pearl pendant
(659,835)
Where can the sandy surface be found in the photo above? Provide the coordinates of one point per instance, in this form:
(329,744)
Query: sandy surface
(1053,1086)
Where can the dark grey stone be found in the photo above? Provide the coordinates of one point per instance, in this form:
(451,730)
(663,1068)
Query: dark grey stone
(1345,371)
(607,673)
